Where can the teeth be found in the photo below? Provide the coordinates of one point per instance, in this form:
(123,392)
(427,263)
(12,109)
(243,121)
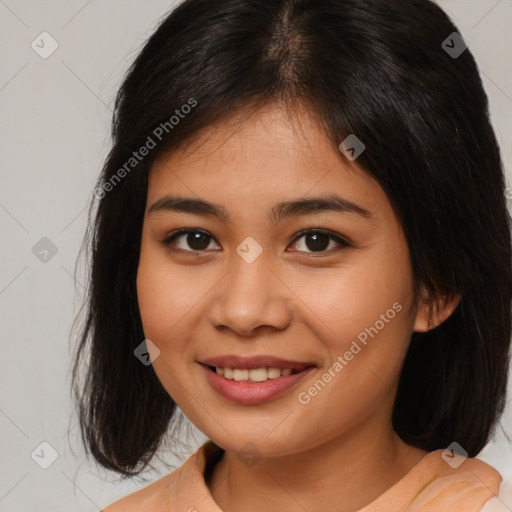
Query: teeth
(240,374)
(256,374)
(273,373)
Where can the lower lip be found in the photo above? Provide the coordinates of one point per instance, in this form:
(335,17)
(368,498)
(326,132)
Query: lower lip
(248,392)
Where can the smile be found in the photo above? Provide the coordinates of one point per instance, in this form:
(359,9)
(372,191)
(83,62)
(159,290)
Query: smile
(253,375)
(253,385)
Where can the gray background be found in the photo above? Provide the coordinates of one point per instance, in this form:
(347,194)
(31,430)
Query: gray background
(54,132)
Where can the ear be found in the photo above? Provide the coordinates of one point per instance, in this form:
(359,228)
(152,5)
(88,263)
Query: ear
(443,306)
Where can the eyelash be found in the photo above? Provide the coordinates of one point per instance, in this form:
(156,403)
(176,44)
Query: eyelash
(343,243)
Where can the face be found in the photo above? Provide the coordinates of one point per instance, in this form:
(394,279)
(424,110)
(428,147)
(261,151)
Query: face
(318,286)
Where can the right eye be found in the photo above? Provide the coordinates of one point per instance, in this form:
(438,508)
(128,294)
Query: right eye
(197,240)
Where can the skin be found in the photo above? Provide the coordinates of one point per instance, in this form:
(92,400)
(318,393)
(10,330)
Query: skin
(339,451)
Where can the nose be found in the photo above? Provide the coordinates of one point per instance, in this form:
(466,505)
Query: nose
(250,298)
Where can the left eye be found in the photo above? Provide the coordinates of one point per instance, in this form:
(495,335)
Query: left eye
(315,240)
(319,240)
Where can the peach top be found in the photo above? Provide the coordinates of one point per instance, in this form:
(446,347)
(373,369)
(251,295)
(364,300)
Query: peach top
(430,486)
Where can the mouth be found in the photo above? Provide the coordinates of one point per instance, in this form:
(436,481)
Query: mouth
(254,368)
(255,374)
(251,380)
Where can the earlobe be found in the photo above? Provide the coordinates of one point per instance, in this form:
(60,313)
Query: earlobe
(428,318)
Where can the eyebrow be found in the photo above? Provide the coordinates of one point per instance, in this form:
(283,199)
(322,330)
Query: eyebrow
(278,212)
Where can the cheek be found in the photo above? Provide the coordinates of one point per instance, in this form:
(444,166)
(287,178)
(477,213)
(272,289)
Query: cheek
(343,302)
(151,298)
(165,295)
(165,302)
(364,314)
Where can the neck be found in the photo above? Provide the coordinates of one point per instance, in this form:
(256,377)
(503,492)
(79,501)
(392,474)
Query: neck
(343,474)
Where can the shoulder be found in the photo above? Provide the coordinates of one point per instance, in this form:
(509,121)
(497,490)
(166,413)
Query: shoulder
(158,496)
(466,484)
(148,498)
(441,482)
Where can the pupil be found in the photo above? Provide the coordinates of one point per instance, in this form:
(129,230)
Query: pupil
(317,243)
(198,241)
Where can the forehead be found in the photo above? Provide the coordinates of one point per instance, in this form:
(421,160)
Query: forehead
(254,159)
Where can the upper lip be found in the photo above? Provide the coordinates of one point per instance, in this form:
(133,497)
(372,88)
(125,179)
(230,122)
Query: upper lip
(252,362)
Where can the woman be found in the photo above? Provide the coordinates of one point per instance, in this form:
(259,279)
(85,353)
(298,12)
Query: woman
(302,227)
